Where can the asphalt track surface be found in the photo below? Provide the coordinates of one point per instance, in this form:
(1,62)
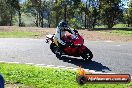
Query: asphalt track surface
(115,57)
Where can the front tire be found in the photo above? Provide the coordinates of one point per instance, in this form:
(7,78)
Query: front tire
(53,47)
(87,55)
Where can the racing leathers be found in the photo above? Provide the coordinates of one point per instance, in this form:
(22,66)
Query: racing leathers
(58,36)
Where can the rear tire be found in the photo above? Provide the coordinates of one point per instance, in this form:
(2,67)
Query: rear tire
(87,55)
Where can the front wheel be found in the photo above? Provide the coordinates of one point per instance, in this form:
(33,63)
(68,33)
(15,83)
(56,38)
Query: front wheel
(87,55)
(53,47)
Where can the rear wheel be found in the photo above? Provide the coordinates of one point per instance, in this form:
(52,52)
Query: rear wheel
(87,55)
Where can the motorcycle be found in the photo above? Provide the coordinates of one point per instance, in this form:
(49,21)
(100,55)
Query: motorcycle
(74,46)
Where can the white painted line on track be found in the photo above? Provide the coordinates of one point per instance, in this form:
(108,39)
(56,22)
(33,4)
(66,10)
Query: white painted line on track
(2,61)
(40,65)
(61,66)
(50,65)
(29,63)
(13,62)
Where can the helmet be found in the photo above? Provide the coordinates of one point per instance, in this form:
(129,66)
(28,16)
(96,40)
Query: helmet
(63,25)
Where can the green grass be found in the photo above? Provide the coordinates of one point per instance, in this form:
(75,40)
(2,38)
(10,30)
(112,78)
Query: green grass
(115,26)
(38,77)
(118,32)
(120,26)
(18,34)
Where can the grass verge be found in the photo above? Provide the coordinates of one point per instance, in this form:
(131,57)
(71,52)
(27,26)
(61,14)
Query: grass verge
(118,32)
(18,34)
(42,77)
(115,26)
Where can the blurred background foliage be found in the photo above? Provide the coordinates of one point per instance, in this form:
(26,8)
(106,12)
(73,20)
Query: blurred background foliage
(78,13)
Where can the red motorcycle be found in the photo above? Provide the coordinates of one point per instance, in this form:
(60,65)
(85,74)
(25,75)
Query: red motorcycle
(74,47)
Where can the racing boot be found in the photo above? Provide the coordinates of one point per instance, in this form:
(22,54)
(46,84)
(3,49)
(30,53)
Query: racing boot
(60,50)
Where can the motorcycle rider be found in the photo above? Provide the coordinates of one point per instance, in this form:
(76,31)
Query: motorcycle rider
(60,32)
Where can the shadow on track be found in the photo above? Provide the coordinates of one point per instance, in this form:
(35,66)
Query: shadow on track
(93,65)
